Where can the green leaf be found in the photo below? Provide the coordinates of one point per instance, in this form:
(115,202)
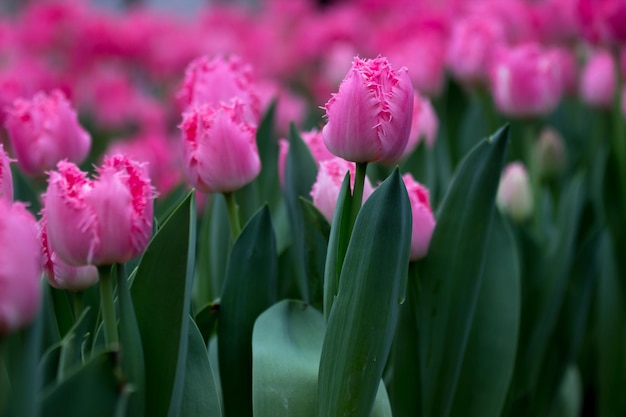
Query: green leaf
(206,320)
(364,315)
(451,274)
(161,293)
(489,359)
(24,189)
(300,174)
(337,245)
(250,288)
(569,397)
(267,181)
(287,345)
(200,396)
(92,390)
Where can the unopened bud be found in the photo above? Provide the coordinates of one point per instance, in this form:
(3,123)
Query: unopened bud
(550,153)
(514,194)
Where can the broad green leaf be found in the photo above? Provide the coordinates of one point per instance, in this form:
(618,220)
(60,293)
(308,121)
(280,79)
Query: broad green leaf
(569,397)
(131,346)
(492,344)
(92,390)
(364,315)
(451,274)
(200,396)
(206,319)
(249,289)
(161,293)
(300,173)
(337,245)
(267,181)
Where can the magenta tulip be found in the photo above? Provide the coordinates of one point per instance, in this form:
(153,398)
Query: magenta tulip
(6,179)
(20,267)
(101,221)
(369,119)
(219,147)
(598,81)
(44,131)
(423,219)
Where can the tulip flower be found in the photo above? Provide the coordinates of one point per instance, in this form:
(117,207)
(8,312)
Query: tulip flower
(514,194)
(219,147)
(101,221)
(369,119)
(20,267)
(550,153)
(423,219)
(424,125)
(327,185)
(602,21)
(598,80)
(6,179)
(44,131)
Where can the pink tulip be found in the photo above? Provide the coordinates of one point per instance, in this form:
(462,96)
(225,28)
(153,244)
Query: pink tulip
(219,147)
(603,21)
(44,131)
(314,141)
(6,179)
(514,195)
(597,82)
(473,41)
(59,273)
(217,80)
(526,81)
(423,219)
(424,125)
(100,221)
(369,119)
(327,185)
(20,267)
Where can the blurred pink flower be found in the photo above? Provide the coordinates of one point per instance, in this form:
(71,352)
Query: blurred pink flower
(100,221)
(219,147)
(598,81)
(219,80)
(20,267)
(552,30)
(602,21)
(289,106)
(6,178)
(314,141)
(60,274)
(424,125)
(45,130)
(423,219)
(327,185)
(369,119)
(568,69)
(514,195)
(526,81)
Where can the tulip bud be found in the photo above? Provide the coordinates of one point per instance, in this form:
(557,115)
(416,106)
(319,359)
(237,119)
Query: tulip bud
(550,153)
(598,81)
(44,131)
(219,148)
(369,119)
(100,221)
(514,194)
(327,185)
(6,179)
(423,219)
(20,267)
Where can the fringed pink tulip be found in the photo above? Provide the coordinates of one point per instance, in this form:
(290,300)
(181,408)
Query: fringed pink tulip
(219,147)
(598,81)
(20,267)
(218,80)
(514,194)
(60,274)
(6,179)
(423,219)
(44,131)
(369,119)
(526,81)
(100,221)
(327,185)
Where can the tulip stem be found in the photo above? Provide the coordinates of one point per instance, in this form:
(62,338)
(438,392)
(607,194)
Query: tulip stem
(108,307)
(357,195)
(233,214)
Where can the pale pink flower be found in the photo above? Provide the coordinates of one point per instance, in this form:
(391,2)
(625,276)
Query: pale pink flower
(424,125)
(20,267)
(6,178)
(526,81)
(44,131)
(219,147)
(100,221)
(598,81)
(218,80)
(60,274)
(423,219)
(472,43)
(514,195)
(327,185)
(314,141)
(369,119)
